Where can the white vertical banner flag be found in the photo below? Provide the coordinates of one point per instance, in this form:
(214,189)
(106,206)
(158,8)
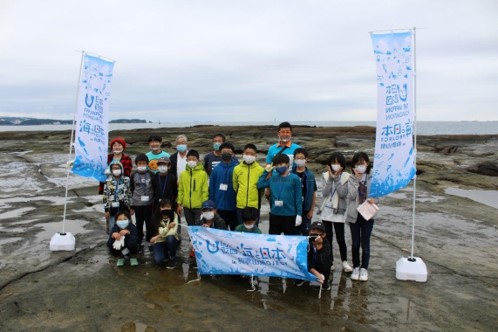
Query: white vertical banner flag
(394,159)
(92,118)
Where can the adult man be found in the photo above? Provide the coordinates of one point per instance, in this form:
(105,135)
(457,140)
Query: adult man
(284,144)
(179,158)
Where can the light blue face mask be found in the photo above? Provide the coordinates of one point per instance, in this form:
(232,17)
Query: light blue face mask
(216,146)
(181,147)
(122,223)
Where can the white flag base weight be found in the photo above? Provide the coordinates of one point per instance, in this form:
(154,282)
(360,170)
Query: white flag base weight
(411,268)
(62,242)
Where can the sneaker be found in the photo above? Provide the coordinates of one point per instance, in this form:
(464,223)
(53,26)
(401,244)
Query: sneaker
(356,274)
(299,283)
(326,286)
(133,262)
(171,264)
(120,262)
(346,267)
(363,274)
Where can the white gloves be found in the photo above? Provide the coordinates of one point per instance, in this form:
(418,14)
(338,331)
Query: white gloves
(299,220)
(118,244)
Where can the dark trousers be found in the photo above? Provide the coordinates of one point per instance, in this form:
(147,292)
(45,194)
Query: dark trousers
(339,236)
(361,231)
(143,215)
(282,224)
(305,225)
(230,218)
(192,216)
(239,217)
(162,251)
(132,247)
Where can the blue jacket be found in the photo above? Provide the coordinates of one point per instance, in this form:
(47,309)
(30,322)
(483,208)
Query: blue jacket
(310,184)
(222,174)
(286,189)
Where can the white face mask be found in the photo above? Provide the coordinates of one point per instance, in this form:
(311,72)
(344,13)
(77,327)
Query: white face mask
(249,226)
(208,215)
(116,172)
(336,167)
(192,163)
(163,169)
(248,159)
(361,169)
(117,151)
(300,162)
(285,138)
(142,169)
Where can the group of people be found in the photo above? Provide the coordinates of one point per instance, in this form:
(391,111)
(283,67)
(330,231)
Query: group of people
(225,193)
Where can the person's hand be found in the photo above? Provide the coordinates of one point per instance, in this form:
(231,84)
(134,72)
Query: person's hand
(267,193)
(123,232)
(116,236)
(299,220)
(179,210)
(330,171)
(371,200)
(107,215)
(154,239)
(309,215)
(321,279)
(171,225)
(132,212)
(268,168)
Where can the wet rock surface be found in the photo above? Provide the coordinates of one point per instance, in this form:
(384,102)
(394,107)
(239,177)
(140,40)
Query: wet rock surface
(83,290)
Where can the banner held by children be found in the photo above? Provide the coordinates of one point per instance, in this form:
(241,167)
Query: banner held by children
(92,118)
(394,157)
(223,252)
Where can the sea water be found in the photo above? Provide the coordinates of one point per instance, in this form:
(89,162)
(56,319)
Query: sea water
(423,127)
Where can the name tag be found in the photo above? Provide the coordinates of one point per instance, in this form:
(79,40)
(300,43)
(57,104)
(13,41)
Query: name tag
(279,203)
(144,198)
(223,186)
(115,204)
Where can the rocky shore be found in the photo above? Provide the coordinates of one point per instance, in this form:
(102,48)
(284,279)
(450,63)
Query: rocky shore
(84,291)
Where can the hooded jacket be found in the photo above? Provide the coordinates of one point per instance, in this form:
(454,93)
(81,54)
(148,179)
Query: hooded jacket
(116,191)
(245,180)
(193,187)
(221,186)
(310,185)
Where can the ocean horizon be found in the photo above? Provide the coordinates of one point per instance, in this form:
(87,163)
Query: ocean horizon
(423,127)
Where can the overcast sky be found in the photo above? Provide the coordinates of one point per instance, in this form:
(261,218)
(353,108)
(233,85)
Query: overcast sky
(246,60)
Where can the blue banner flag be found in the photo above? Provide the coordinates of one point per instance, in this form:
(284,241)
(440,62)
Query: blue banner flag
(223,252)
(92,118)
(394,158)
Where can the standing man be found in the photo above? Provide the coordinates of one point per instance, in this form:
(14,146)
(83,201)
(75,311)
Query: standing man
(179,158)
(212,159)
(284,144)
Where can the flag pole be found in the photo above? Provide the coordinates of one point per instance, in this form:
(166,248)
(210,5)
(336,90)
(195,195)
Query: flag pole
(63,240)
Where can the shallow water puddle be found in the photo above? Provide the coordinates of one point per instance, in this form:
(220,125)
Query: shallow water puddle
(487,197)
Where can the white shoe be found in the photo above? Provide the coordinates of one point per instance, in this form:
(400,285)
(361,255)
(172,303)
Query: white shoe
(332,267)
(346,267)
(356,274)
(363,274)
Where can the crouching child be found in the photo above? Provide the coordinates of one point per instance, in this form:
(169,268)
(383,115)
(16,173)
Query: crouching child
(249,217)
(166,240)
(123,239)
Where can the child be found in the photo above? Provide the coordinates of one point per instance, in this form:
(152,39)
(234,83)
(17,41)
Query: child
(308,187)
(192,189)
(210,218)
(123,240)
(333,210)
(361,229)
(143,197)
(155,152)
(165,183)
(116,193)
(319,261)
(250,216)
(221,186)
(286,206)
(167,239)
(245,181)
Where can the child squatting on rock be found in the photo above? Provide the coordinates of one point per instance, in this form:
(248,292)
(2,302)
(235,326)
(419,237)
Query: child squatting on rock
(123,239)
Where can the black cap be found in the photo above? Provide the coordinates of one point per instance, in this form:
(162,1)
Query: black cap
(318,225)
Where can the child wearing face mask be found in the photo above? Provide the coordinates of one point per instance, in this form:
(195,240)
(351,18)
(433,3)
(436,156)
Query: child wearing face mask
(167,238)
(308,187)
(245,181)
(361,229)
(286,203)
(209,217)
(118,145)
(333,208)
(192,189)
(249,215)
(165,183)
(143,197)
(122,240)
(155,153)
(116,194)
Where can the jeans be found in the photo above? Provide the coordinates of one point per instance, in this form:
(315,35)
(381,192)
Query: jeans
(361,232)
(339,236)
(192,216)
(162,251)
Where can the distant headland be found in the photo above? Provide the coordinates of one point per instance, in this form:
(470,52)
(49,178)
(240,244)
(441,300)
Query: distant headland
(22,121)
